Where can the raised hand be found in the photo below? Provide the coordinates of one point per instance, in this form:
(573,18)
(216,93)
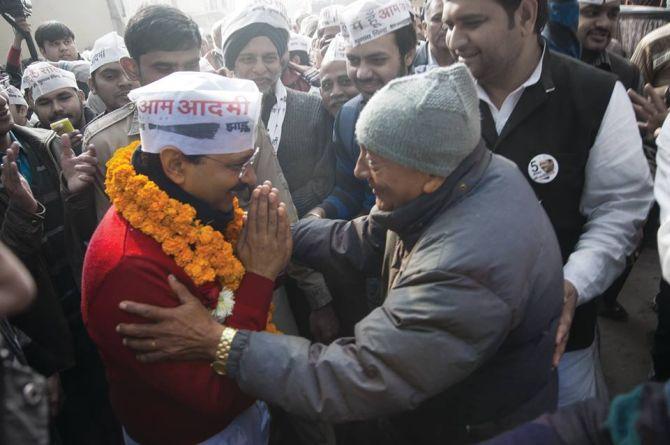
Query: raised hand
(651,110)
(24,26)
(79,171)
(15,184)
(266,243)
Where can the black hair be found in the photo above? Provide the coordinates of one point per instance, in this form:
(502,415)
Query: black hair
(161,28)
(542,12)
(51,31)
(406,39)
(304,57)
(150,163)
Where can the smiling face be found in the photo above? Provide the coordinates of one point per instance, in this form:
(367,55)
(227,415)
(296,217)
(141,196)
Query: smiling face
(211,178)
(260,62)
(483,36)
(596,24)
(374,64)
(336,87)
(394,185)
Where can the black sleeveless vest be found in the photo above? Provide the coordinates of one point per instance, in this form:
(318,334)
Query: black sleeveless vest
(559,116)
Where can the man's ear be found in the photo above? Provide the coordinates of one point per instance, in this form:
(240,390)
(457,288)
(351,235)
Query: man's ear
(131,68)
(172,161)
(29,98)
(409,58)
(91,85)
(527,16)
(432,184)
(82,96)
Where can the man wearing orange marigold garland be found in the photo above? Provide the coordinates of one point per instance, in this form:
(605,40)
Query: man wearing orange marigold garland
(174,214)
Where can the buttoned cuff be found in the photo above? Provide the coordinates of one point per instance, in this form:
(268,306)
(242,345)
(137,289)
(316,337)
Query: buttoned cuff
(583,277)
(240,343)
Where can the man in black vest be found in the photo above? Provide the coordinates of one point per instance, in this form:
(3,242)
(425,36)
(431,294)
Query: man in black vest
(571,130)
(597,21)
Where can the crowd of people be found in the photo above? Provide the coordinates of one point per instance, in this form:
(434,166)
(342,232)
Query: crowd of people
(372,225)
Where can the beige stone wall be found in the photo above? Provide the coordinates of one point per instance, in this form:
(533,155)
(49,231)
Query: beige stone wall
(88,19)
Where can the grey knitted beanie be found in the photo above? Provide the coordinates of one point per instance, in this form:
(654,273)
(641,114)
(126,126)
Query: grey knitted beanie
(428,122)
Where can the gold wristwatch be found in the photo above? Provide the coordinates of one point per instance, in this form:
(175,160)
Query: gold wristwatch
(223,350)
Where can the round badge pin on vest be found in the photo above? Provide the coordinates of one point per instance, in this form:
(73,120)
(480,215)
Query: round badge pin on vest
(543,168)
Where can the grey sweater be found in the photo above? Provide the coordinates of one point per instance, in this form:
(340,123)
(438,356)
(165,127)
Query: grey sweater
(305,151)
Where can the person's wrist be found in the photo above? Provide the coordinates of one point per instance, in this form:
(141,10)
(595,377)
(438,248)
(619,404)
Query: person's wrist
(270,274)
(317,212)
(213,340)
(28,205)
(223,348)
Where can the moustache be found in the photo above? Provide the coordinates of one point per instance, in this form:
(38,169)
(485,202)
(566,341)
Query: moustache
(598,30)
(240,187)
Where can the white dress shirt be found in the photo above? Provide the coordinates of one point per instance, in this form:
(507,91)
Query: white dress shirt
(617,192)
(662,193)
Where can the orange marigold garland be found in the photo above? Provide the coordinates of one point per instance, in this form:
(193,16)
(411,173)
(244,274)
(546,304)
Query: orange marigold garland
(204,253)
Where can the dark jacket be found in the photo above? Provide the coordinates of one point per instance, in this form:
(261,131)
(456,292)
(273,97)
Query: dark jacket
(462,344)
(628,74)
(640,416)
(421,58)
(47,320)
(350,196)
(305,154)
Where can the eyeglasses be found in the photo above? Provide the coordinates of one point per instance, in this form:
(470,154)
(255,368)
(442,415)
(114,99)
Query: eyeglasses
(240,169)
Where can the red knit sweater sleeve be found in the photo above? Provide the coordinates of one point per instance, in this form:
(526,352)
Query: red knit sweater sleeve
(252,303)
(193,384)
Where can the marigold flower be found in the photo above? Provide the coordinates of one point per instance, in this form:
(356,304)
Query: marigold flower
(205,254)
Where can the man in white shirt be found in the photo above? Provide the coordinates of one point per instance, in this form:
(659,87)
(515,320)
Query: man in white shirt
(572,131)
(434,52)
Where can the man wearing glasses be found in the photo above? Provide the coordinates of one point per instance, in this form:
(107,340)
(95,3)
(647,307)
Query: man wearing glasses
(174,213)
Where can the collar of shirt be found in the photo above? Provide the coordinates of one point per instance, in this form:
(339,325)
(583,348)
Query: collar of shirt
(603,61)
(431,60)
(502,115)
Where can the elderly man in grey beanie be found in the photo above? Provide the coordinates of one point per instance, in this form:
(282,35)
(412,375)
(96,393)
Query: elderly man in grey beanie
(461,347)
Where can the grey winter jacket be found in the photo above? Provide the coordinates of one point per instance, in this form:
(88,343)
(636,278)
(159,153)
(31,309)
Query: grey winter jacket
(463,342)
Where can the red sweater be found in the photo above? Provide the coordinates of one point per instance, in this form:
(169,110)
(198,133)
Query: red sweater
(163,403)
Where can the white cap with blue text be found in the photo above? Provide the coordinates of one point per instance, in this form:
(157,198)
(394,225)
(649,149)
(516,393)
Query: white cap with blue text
(337,50)
(271,12)
(43,78)
(330,16)
(108,49)
(15,96)
(298,42)
(366,20)
(215,115)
